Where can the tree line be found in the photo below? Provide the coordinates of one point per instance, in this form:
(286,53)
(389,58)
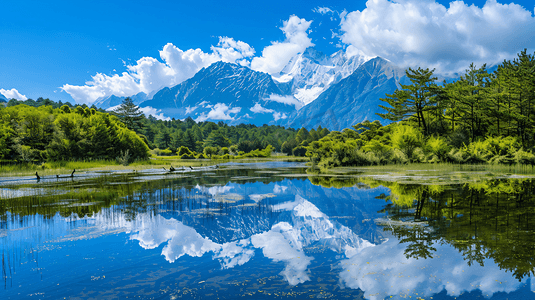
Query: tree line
(189,139)
(44,130)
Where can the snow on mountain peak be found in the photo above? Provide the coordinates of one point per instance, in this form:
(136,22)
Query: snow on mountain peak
(310,73)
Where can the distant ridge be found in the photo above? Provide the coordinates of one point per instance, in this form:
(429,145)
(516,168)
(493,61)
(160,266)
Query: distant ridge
(228,92)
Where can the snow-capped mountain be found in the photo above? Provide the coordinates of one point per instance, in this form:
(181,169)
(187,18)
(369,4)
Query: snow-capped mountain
(226,92)
(310,73)
(335,91)
(111,101)
(354,99)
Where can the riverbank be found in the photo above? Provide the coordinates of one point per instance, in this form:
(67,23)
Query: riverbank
(155,162)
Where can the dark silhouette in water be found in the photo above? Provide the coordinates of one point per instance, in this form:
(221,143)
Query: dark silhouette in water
(191,167)
(72,174)
(37,175)
(172,169)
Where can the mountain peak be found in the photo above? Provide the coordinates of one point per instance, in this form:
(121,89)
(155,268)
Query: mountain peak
(310,73)
(315,55)
(353,99)
(228,92)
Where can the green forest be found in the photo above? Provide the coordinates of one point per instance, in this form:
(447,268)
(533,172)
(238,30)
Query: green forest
(43,130)
(480,118)
(483,117)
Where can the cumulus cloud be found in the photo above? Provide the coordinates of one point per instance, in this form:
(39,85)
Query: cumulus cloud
(288,100)
(427,34)
(157,113)
(13,94)
(277,55)
(149,74)
(277,116)
(220,111)
(257,108)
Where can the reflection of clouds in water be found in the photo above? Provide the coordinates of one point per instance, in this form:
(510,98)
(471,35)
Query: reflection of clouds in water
(260,197)
(282,243)
(181,239)
(214,190)
(384,270)
(235,253)
(278,189)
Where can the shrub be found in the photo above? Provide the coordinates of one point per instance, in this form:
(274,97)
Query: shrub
(406,139)
(438,147)
(524,158)
(299,151)
(183,150)
(124,158)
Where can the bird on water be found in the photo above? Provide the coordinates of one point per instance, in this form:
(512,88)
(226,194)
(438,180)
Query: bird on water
(172,169)
(37,176)
(72,174)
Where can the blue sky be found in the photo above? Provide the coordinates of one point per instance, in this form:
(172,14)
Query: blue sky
(46,45)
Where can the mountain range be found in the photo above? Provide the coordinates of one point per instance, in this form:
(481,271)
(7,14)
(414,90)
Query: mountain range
(335,91)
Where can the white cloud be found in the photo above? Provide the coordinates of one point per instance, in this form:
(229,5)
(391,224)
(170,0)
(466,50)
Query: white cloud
(157,113)
(257,108)
(288,100)
(277,116)
(322,10)
(277,55)
(190,109)
(233,51)
(427,34)
(149,74)
(220,111)
(13,93)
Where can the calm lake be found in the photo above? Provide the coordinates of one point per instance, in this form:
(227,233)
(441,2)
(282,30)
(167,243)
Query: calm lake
(268,231)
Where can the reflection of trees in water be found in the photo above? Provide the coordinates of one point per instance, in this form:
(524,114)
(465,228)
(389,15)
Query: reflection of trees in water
(114,197)
(89,196)
(491,220)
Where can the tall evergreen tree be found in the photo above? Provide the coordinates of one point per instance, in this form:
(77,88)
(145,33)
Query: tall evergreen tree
(130,115)
(415,99)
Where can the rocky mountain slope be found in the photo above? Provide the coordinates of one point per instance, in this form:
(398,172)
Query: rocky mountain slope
(227,92)
(352,100)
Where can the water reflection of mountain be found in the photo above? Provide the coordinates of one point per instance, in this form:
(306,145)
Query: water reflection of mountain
(291,226)
(237,211)
(283,241)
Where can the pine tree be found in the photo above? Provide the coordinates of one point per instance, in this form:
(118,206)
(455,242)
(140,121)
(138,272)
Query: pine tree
(130,115)
(413,100)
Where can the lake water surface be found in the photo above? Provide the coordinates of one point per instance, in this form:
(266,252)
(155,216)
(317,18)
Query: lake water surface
(267,231)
